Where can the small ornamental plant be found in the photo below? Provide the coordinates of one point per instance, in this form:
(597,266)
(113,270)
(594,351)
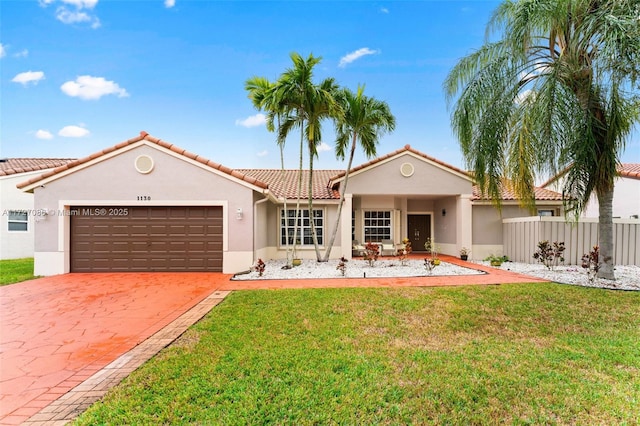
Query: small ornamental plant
(259,268)
(403,253)
(549,254)
(590,263)
(430,263)
(464,253)
(342,265)
(371,253)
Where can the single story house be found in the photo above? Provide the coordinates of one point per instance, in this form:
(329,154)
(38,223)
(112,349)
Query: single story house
(18,215)
(148,205)
(626,193)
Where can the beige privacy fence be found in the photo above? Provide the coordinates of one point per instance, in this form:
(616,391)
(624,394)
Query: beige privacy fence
(521,236)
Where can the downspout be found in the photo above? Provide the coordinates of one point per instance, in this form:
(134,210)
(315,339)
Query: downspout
(255,223)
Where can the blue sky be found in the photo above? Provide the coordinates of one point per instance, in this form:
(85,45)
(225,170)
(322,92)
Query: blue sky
(78,76)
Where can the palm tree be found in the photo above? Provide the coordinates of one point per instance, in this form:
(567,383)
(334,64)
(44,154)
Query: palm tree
(556,89)
(364,121)
(309,104)
(263,96)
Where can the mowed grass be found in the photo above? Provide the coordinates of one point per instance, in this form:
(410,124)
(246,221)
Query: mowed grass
(514,354)
(16,270)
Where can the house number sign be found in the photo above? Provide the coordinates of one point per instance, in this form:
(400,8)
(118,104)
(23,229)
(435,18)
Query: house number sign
(144,197)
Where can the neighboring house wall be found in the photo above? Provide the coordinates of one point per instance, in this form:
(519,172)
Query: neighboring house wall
(16,244)
(114,181)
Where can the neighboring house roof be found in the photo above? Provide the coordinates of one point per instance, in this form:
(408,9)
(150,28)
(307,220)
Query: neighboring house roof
(273,178)
(146,137)
(14,166)
(628,170)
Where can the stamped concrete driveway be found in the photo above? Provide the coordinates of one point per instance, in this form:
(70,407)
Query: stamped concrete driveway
(58,331)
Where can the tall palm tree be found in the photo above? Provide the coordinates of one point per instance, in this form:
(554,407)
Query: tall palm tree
(309,104)
(556,89)
(363,122)
(262,93)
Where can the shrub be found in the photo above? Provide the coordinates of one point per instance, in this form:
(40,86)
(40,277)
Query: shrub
(549,254)
(371,253)
(259,268)
(590,263)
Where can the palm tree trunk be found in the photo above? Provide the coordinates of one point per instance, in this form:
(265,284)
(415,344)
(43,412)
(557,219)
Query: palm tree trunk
(605,226)
(343,191)
(286,216)
(296,226)
(314,236)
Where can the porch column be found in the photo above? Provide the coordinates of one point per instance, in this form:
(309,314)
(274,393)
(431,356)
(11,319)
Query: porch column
(345,227)
(463,221)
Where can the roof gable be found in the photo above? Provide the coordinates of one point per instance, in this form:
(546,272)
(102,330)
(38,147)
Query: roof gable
(143,138)
(336,179)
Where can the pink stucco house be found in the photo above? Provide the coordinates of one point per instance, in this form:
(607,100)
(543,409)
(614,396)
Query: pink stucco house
(148,205)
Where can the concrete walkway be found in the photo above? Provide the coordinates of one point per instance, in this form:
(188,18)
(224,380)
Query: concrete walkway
(66,340)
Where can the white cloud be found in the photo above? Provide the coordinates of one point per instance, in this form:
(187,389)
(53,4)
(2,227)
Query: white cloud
(384,10)
(73,132)
(88,87)
(27,77)
(350,57)
(323,147)
(74,11)
(44,134)
(22,54)
(263,153)
(169,3)
(252,121)
(82,4)
(3,51)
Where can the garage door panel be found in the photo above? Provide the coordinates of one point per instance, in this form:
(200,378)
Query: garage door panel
(147,239)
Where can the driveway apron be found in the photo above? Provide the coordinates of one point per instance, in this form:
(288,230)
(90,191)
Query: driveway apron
(58,331)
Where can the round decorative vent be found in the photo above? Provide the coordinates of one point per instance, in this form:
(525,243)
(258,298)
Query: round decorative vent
(144,164)
(406,169)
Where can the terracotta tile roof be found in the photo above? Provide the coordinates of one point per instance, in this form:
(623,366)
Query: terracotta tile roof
(145,136)
(14,166)
(406,148)
(630,170)
(541,194)
(273,178)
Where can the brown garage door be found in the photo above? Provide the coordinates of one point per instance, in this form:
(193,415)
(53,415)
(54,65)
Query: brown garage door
(137,239)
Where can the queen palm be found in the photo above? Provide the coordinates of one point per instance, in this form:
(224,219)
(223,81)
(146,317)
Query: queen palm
(364,120)
(309,104)
(556,89)
(262,93)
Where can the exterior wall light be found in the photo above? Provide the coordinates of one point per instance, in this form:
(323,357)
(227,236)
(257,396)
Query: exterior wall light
(239,213)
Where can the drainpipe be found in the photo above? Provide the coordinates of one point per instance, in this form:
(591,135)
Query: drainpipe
(255,224)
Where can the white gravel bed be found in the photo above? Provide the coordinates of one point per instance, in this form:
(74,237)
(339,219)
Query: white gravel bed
(355,268)
(627,277)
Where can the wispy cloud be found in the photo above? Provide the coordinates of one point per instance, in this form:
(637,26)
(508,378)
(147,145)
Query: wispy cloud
(44,134)
(323,147)
(27,77)
(252,121)
(263,153)
(169,3)
(75,11)
(87,87)
(22,54)
(384,10)
(3,51)
(73,132)
(350,57)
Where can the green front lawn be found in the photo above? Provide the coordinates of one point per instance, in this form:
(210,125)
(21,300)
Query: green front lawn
(516,354)
(16,270)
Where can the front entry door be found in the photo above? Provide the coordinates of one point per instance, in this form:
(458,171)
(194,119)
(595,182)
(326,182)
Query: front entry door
(419,229)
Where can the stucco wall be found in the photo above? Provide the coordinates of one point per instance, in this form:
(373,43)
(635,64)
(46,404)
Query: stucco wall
(173,181)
